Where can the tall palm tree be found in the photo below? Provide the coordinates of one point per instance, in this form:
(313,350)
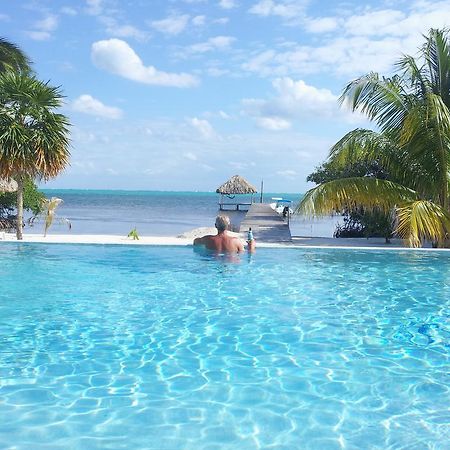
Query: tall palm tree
(412,112)
(13,58)
(34,138)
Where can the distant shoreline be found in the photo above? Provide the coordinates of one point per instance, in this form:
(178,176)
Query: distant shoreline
(156,191)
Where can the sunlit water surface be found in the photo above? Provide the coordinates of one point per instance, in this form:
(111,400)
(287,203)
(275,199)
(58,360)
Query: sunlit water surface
(112,347)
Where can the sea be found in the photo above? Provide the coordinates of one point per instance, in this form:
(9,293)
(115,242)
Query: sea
(156,213)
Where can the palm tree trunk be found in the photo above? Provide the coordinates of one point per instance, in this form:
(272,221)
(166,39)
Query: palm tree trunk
(19,225)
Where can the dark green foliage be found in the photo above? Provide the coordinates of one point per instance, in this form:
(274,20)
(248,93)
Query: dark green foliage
(13,58)
(32,202)
(358,222)
(327,172)
(365,223)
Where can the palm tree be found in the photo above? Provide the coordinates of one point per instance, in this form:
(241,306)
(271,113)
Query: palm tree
(412,112)
(34,139)
(13,58)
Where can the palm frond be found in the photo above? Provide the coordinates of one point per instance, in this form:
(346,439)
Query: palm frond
(408,68)
(13,58)
(425,136)
(436,52)
(422,220)
(383,100)
(357,145)
(34,138)
(338,195)
(367,146)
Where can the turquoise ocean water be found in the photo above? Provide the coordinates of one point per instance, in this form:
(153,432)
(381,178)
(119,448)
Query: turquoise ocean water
(123,347)
(153,212)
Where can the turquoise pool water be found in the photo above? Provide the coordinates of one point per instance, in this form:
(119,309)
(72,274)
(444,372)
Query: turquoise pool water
(110,347)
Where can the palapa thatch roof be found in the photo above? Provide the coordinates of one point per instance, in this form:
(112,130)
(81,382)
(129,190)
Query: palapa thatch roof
(7,185)
(236,185)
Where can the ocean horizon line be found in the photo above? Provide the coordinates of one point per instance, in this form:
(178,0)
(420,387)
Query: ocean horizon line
(97,190)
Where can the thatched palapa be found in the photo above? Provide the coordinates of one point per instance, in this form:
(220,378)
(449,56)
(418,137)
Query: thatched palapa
(236,185)
(8,185)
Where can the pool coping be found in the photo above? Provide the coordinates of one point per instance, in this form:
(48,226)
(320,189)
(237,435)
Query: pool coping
(298,242)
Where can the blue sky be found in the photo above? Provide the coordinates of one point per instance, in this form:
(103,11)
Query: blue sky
(183,94)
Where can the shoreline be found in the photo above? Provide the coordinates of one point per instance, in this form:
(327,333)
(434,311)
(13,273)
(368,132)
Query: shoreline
(297,241)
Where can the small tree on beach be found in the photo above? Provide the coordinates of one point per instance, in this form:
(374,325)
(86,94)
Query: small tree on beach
(34,138)
(412,112)
(47,212)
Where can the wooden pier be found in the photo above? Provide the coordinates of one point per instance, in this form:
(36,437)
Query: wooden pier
(267,225)
(234,206)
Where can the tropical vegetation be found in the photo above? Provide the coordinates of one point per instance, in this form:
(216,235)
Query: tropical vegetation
(411,111)
(13,58)
(357,221)
(33,201)
(34,138)
(47,212)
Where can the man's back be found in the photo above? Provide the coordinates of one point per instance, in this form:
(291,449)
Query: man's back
(221,243)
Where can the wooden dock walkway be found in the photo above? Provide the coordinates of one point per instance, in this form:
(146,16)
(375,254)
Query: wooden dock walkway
(267,225)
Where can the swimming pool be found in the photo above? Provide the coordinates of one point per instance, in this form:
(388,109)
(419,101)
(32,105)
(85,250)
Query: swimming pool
(116,347)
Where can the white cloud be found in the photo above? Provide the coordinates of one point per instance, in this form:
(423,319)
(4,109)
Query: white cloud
(227,4)
(273,123)
(94,7)
(5,17)
(172,25)
(221,20)
(89,105)
(203,127)
(421,16)
(168,148)
(39,35)
(115,29)
(294,95)
(286,9)
(214,43)
(49,23)
(346,56)
(128,31)
(322,24)
(369,40)
(116,56)
(43,29)
(198,20)
(382,22)
(294,100)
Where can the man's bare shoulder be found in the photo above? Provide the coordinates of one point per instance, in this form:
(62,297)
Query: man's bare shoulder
(202,240)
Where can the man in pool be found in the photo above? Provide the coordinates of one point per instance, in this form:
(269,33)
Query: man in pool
(223,242)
